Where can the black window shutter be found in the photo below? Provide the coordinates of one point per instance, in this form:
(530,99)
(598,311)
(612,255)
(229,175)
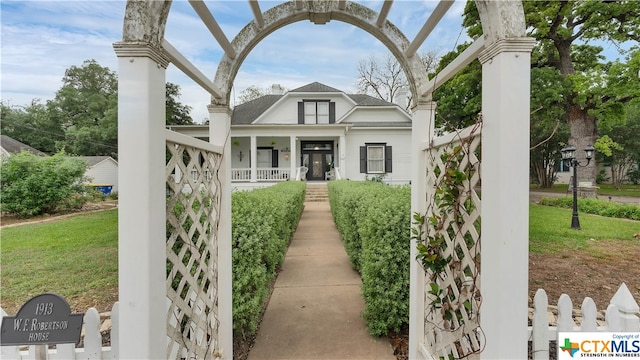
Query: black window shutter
(274,158)
(301,112)
(363,159)
(332,113)
(387,159)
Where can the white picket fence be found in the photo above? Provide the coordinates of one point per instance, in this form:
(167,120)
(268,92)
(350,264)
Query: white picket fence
(621,315)
(92,349)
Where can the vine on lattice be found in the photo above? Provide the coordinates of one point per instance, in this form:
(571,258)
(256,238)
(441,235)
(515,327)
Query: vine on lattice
(448,245)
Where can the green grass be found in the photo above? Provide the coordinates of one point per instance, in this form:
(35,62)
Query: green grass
(550,230)
(603,189)
(78,256)
(72,257)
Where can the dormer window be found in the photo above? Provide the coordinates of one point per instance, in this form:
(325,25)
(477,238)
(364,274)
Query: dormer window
(316,112)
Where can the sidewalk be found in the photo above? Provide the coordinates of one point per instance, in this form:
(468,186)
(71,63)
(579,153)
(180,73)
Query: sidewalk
(314,311)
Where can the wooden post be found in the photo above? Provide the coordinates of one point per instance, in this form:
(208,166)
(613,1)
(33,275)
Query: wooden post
(505,197)
(422,132)
(219,134)
(142,204)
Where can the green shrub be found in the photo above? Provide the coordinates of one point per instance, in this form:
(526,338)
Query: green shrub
(31,185)
(376,218)
(263,221)
(597,207)
(345,197)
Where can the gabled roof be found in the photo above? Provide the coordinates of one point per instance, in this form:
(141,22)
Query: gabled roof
(367,100)
(246,113)
(13,146)
(315,87)
(94,160)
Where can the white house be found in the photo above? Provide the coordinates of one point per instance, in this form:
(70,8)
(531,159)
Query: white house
(316,133)
(102,171)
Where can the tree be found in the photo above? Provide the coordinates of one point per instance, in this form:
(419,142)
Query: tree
(86,108)
(251,93)
(83,116)
(176,113)
(383,78)
(31,125)
(598,89)
(32,185)
(548,131)
(459,99)
(620,145)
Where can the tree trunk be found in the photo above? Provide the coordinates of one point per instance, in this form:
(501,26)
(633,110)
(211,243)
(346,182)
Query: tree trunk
(584,132)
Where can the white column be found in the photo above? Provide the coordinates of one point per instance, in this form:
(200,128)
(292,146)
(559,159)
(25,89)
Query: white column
(219,134)
(342,156)
(293,157)
(254,159)
(505,197)
(421,133)
(141,214)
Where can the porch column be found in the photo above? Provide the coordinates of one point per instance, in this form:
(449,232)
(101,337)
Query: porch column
(421,133)
(293,157)
(342,156)
(505,197)
(219,134)
(253,159)
(141,214)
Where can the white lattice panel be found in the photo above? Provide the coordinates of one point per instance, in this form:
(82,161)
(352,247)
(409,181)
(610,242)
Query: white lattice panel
(452,296)
(193,203)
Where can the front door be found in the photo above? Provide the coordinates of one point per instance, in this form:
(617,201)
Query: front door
(317,156)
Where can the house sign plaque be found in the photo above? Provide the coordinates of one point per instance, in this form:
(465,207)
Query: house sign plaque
(44,319)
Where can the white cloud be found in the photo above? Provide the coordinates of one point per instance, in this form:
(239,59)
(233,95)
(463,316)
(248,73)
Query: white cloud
(41,39)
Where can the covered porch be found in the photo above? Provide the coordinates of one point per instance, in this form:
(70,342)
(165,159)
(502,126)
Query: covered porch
(284,158)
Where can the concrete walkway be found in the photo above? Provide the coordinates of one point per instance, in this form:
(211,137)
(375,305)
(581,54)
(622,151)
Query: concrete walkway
(314,311)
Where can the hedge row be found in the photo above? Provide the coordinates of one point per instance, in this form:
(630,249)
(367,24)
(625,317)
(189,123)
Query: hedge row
(597,207)
(374,221)
(263,221)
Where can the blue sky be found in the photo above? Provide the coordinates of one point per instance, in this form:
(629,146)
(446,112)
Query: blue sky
(41,39)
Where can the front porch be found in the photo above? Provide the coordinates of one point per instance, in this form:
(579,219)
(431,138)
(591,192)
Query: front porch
(284,158)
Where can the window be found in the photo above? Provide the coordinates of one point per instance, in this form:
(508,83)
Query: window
(316,112)
(375,159)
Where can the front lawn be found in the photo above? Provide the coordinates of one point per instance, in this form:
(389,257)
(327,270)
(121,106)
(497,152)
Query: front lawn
(75,257)
(550,230)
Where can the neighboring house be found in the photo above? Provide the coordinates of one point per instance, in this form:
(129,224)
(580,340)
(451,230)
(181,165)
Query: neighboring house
(316,133)
(102,170)
(10,146)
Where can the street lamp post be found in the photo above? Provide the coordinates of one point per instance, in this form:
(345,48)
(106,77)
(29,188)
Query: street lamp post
(568,156)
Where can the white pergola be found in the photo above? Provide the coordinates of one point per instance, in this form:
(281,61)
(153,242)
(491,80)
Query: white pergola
(144,55)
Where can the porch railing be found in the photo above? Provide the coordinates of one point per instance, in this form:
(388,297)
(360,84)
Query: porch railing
(262,174)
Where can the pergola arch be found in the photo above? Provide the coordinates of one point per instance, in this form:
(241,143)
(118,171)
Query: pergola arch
(287,13)
(145,22)
(143,56)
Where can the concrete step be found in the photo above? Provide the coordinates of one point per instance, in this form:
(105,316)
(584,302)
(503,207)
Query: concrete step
(317,192)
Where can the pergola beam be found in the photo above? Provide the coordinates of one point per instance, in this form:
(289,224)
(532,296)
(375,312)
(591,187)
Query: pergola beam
(210,22)
(384,12)
(190,70)
(433,20)
(465,58)
(257,13)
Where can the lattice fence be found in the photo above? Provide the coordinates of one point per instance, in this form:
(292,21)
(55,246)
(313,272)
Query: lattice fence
(451,253)
(193,203)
